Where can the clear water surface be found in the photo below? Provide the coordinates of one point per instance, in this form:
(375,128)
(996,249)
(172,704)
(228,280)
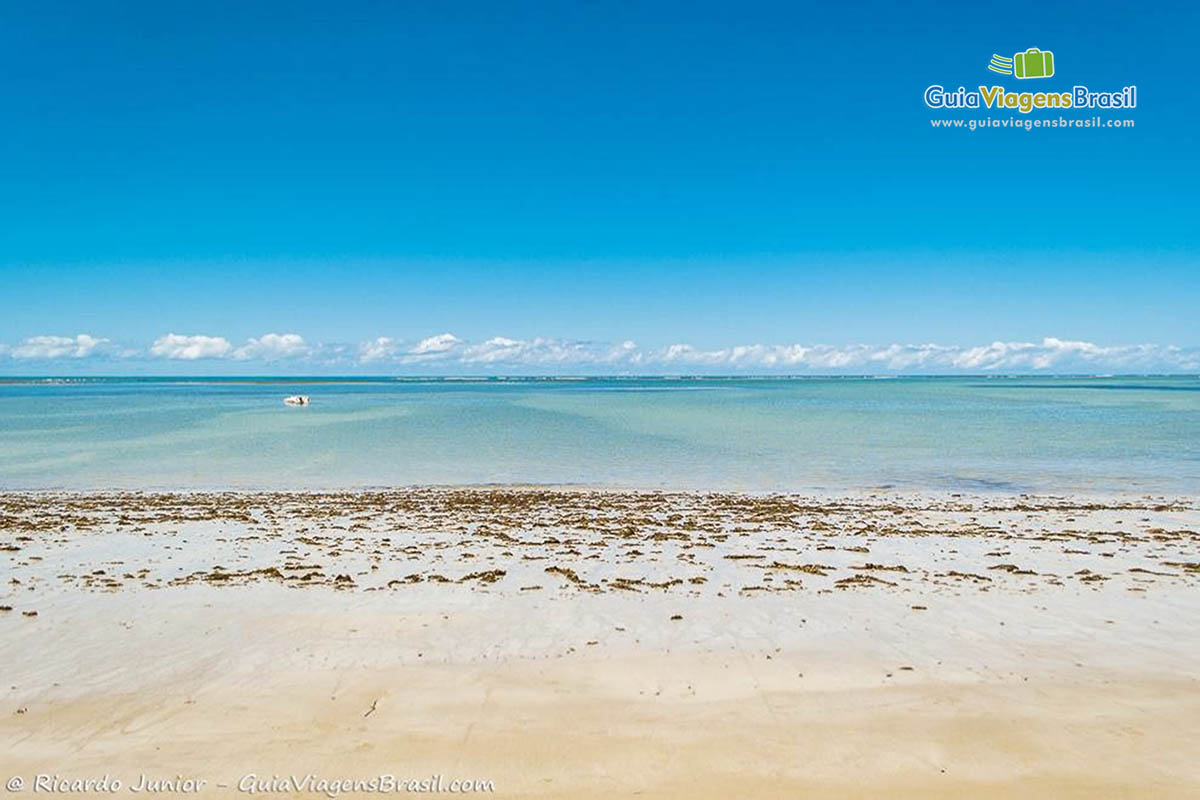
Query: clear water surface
(804,434)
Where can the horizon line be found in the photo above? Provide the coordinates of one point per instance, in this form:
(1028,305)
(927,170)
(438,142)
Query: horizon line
(279,378)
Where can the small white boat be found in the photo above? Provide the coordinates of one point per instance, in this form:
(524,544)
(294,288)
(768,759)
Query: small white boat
(296,400)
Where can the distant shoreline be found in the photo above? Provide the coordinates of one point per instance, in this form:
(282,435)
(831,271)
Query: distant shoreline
(483,378)
(866,496)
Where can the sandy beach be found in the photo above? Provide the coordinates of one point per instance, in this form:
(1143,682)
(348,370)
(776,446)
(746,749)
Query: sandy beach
(584,643)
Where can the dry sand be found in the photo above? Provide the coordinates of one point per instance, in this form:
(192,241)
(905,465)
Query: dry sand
(574,643)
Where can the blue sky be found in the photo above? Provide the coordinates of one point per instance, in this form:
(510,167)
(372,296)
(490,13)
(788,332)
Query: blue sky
(709,175)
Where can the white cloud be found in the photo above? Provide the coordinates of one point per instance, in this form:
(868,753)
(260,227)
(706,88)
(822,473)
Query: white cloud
(1051,354)
(434,347)
(272,347)
(1054,353)
(448,353)
(79,346)
(539,351)
(385,348)
(625,352)
(190,348)
(436,344)
(377,349)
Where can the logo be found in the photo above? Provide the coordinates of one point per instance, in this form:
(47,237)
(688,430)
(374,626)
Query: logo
(1033,63)
(1001,64)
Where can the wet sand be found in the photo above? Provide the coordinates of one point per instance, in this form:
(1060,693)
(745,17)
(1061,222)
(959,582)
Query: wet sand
(578,643)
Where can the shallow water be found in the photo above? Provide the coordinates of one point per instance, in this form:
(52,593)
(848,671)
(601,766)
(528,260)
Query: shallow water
(975,434)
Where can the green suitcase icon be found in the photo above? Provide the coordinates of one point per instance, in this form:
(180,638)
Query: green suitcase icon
(1033,63)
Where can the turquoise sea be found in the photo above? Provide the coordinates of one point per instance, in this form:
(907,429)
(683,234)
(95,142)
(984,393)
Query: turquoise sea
(1006,434)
